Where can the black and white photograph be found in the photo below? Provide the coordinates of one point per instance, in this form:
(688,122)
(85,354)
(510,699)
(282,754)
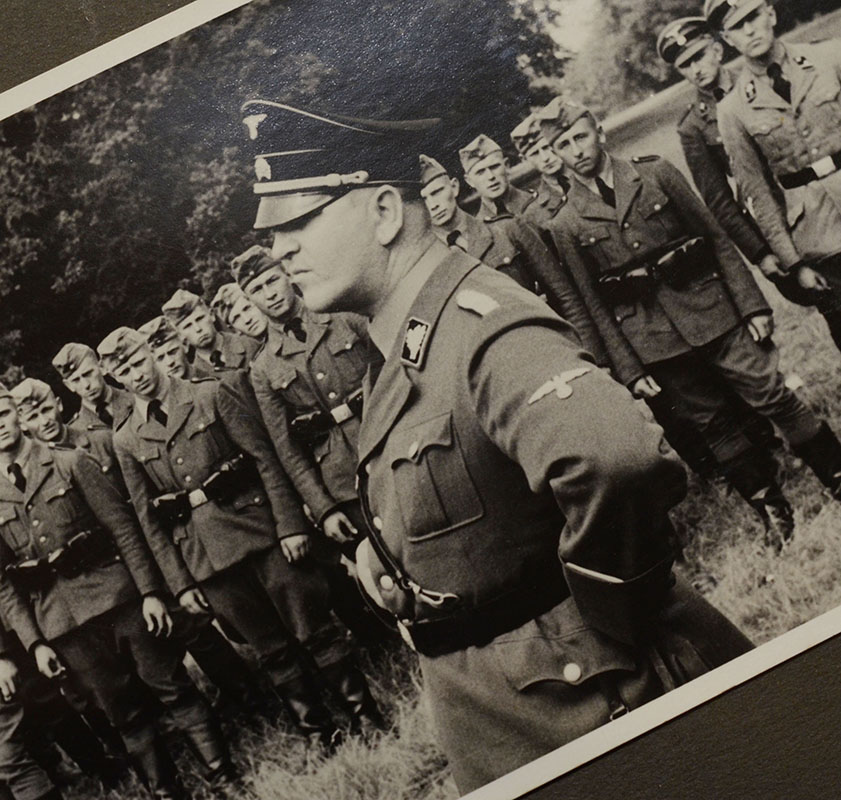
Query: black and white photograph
(417,400)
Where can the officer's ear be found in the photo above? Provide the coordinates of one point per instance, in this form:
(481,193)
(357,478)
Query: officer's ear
(601,135)
(718,48)
(387,206)
(468,181)
(456,186)
(772,14)
(59,405)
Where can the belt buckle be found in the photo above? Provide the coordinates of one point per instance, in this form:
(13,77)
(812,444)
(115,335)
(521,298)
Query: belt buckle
(341,413)
(824,166)
(406,635)
(197,498)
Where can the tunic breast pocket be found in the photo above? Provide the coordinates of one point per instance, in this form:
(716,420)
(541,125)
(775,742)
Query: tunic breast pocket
(770,136)
(349,352)
(595,242)
(435,491)
(150,459)
(825,95)
(288,383)
(63,504)
(13,529)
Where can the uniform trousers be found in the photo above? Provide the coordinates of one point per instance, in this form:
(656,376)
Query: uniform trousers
(751,370)
(499,706)
(108,655)
(281,609)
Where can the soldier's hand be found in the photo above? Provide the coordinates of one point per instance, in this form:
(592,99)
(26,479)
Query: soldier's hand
(157,619)
(811,279)
(194,601)
(645,386)
(771,267)
(295,547)
(761,327)
(8,678)
(338,527)
(47,661)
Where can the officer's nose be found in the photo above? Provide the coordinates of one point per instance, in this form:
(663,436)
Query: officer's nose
(284,246)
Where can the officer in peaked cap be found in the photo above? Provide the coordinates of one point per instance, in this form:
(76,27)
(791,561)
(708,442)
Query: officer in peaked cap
(507,245)
(536,151)
(780,127)
(490,446)
(691,47)
(673,302)
(234,310)
(165,343)
(221,351)
(103,405)
(486,170)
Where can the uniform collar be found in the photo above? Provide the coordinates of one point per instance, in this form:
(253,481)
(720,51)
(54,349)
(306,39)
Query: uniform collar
(142,403)
(781,57)
(605,173)
(387,324)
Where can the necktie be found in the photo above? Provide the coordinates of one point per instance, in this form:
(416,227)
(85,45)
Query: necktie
(216,359)
(718,94)
(608,195)
(455,239)
(295,327)
(157,412)
(16,474)
(102,412)
(780,85)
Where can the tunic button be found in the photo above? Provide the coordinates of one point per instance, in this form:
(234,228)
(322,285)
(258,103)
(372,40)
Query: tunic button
(104,468)
(257,499)
(29,506)
(815,151)
(378,523)
(657,206)
(187,479)
(368,469)
(592,239)
(319,376)
(42,538)
(572,672)
(718,139)
(348,345)
(413,449)
(62,492)
(626,225)
(506,260)
(36,523)
(179,460)
(331,395)
(386,582)
(636,245)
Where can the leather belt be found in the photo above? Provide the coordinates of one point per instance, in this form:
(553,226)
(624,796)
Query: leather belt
(819,169)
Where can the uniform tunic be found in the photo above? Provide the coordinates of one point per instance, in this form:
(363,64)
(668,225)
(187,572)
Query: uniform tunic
(235,351)
(491,454)
(519,202)
(119,407)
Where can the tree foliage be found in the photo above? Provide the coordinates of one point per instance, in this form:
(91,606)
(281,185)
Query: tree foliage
(135,182)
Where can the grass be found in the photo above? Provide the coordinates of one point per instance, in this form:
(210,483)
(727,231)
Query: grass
(764,594)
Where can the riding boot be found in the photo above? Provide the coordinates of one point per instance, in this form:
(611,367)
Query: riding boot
(312,718)
(753,475)
(158,772)
(352,687)
(208,746)
(76,738)
(822,453)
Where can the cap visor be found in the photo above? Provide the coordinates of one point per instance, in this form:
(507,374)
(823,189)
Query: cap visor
(691,49)
(279,209)
(738,14)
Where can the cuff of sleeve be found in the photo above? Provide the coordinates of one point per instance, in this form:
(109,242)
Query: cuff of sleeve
(760,254)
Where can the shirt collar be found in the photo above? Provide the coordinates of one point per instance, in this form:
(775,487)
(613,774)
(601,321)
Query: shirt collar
(387,324)
(22,458)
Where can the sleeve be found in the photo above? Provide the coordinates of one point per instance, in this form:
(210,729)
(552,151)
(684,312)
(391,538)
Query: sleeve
(585,440)
(250,436)
(744,291)
(294,461)
(713,186)
(753,175)
(141,491)
(106,498)
(561,295)
(623,358)
(17,613)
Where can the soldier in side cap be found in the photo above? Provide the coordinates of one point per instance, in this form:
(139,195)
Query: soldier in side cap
(80,588)
(39,411)
(486,170)
(234,310)
(536,151)
(103,405)
(674,304)
(193,321)
(690,45)
(227,529)
(507,245)
(490,446)
(169,350)
(781,127)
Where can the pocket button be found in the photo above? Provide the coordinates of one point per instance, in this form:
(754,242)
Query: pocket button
(572,672)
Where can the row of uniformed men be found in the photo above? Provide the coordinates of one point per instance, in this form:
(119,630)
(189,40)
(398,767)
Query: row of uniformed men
(218,528)
(659,326)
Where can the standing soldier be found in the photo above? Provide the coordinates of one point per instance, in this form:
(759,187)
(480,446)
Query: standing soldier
(689,45)
(39,412)
(507,245)
(781,127)
(674,303)
(170,352)
(193,322)
(536,151)
(103,406)
(489,448)
(486,170)
(227,530)
(234,310)
(80,589)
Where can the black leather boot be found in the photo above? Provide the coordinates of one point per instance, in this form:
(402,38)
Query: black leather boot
(352,688)
(208,745)
(76,738)
(312,718)
(822,453)
(158,772)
